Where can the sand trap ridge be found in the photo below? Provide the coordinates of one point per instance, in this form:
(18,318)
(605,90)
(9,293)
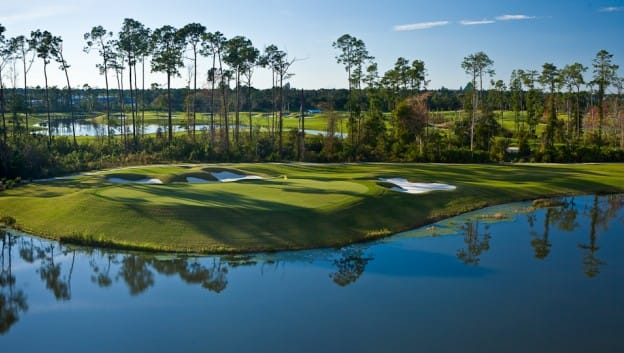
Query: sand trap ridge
(402,185)
(141,181)
(223,177)
(226,177)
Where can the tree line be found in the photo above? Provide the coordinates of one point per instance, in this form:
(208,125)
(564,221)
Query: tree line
(558,115)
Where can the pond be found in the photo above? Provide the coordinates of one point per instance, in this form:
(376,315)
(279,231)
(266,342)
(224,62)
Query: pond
(511,278)
(63,127)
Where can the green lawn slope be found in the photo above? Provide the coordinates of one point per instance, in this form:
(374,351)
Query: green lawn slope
(294,206)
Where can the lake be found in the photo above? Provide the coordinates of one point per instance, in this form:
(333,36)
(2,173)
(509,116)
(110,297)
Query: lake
(63,127)
(511,278)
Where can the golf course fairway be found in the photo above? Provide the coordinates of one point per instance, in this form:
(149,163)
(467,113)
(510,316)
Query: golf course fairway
(283,206)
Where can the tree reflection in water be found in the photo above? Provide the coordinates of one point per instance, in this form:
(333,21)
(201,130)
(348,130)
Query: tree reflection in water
(541,245)
(101,273)
(12,300)
(54,263)
(136,274)
(563,216)
(349,267)
(600,214)
(218,277)
(192,271)
(28,252)
(50,273)
(476,243)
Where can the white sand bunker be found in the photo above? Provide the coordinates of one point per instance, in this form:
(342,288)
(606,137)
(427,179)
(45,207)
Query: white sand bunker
(226,177)
(402,185)
(141,181)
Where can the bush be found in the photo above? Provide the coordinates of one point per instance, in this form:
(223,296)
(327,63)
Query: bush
(498,152)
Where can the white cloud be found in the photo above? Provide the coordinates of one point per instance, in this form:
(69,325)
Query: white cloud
(611,9)
(34,14)
(514,17)
(420,25)
(473,23)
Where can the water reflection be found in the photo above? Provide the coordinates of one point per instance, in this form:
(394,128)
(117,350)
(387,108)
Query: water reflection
(54,265)
(561,213)
(63,127)
(101,267)
(136,274)
(349,267)
(12,299)
(600,215)
(477,240)
(212,277)
(540,244)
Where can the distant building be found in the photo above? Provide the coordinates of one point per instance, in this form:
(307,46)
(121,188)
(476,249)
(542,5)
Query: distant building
(314,111)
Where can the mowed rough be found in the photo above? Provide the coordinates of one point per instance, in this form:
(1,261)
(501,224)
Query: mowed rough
(294,206)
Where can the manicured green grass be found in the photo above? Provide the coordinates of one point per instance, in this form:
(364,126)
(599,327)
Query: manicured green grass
(295,206)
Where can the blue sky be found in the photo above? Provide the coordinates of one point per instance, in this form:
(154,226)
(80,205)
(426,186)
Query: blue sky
(514,33)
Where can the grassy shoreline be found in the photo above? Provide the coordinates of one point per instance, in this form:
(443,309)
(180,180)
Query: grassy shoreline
(296,206)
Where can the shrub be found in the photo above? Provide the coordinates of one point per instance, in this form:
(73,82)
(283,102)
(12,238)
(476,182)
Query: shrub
(498,152)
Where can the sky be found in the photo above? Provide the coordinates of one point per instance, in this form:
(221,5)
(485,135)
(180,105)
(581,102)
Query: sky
(515,34)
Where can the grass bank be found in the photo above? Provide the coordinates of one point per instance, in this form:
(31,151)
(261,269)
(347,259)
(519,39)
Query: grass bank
(295,206)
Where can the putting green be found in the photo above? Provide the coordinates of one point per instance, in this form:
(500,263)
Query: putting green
(275,194)
(294,206)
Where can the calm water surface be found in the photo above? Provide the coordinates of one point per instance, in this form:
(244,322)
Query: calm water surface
(505,279)
(64,128)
